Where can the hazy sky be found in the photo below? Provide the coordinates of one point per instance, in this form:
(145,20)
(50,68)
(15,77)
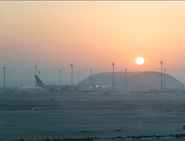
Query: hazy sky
(90,35)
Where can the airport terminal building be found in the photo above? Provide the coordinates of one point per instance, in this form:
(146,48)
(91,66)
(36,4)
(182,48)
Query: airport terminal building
(135,81)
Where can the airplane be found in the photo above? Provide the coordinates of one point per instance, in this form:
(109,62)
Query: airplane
(55,88)
(105,89)
(86,89)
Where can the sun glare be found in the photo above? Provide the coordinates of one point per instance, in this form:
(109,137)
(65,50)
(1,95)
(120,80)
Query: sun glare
(139,60)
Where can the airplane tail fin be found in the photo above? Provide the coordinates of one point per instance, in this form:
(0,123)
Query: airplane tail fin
(38,81)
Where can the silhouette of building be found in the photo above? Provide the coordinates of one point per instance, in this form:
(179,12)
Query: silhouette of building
(136,81)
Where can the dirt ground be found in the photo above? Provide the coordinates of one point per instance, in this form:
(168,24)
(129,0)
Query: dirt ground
(37,116)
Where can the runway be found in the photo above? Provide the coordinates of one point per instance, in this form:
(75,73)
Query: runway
(98,116)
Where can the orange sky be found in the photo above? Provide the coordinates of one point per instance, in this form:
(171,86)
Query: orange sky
(91,35)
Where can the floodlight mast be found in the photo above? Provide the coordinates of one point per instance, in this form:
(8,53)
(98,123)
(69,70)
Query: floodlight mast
(125,80)
(35,69)
(4,78)
(39,74)
(161,75)
(164,78)
(113,76)
(71,74)
(91,77)
(60,77)
(36,75)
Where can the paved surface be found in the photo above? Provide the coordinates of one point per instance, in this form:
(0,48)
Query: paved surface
(89,115)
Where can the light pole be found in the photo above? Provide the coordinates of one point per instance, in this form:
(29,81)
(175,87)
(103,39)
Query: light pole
(71,74)
(4,78)
(161,74)
(125,79)
(91,77)
(164,78)
(60,77)
(113,76)
(36,75)
(35,69)
(39,74)
(137,87)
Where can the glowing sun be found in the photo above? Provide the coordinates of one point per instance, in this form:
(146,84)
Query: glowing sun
(139,60)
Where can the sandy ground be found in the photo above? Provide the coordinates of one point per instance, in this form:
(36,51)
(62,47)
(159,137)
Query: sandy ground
(89,115)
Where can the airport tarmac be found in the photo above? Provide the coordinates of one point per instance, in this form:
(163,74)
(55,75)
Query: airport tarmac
(38,116)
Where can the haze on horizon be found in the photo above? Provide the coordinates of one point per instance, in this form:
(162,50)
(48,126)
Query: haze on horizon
(90,35)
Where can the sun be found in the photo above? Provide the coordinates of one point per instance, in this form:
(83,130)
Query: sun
(139,60)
